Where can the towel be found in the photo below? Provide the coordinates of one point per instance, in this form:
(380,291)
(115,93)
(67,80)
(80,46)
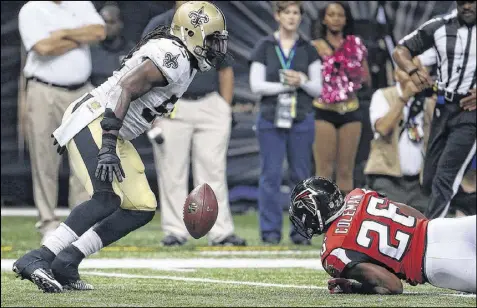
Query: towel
(86,113)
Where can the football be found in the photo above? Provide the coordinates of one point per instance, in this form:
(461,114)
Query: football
(200,211)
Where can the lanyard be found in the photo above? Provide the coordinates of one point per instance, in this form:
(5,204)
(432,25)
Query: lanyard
(282,57)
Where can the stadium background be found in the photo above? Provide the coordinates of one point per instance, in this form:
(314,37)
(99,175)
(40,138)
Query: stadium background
(379,23)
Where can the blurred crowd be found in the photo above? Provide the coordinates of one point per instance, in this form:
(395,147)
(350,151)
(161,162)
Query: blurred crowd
(309,114)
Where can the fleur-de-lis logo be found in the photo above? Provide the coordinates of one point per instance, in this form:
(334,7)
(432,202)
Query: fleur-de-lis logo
(170,60)
(192,207)
(198,17)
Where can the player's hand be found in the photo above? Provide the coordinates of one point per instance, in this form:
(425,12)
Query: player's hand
(421,79)
(340,285)
(108,161)
(469,103)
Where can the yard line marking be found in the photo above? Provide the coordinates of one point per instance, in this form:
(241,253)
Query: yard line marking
(207,280)
(192,263)
(248,283)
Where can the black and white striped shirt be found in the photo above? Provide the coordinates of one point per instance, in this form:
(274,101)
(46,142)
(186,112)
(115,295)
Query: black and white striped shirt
(455,45)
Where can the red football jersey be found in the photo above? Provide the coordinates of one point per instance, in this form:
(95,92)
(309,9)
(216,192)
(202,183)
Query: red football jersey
(373,229)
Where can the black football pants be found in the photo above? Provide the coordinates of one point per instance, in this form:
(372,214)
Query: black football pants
(450,150)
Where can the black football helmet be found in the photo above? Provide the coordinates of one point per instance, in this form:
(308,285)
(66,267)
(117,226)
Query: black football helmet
(315,203)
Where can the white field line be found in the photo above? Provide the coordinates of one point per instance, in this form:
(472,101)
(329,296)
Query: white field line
(191,263)
(206,280)
(29,212)
(168,264)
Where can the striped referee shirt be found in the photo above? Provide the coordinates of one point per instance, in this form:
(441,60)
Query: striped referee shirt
(454,43)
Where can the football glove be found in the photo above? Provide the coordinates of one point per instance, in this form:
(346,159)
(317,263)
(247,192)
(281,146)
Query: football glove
(108,161)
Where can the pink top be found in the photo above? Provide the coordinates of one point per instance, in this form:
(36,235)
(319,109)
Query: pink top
(343,71)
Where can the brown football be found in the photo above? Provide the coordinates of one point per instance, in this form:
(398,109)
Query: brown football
(200,211)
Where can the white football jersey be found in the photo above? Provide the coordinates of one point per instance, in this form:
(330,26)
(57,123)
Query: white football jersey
(172,60)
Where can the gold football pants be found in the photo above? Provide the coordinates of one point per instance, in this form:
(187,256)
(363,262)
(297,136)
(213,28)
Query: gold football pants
(134,190)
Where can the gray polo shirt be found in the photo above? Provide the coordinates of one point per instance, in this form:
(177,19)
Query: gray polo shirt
(203,83)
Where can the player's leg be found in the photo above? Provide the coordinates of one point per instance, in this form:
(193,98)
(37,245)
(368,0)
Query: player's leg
(300,156)
(450,253)
(137,209)
(106,199)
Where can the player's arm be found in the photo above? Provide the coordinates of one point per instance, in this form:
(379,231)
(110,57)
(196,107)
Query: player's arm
(131,86)
(368,278)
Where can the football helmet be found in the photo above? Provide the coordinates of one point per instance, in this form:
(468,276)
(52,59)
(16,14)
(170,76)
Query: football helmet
(315,203)
(201,26)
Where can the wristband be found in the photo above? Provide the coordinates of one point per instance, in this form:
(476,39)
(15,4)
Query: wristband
(110,121)
(109,140)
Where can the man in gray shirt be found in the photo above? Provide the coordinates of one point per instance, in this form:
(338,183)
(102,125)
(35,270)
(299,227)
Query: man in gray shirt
(198,130)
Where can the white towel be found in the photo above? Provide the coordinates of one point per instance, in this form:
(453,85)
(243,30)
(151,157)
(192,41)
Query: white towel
(79,119)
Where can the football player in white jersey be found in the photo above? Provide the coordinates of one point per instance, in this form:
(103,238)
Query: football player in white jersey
(96,130)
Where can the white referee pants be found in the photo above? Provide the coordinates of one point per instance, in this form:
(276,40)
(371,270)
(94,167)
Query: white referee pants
(198,133)
(450,253)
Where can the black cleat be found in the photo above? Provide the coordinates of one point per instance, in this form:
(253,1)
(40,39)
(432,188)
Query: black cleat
(298,240)
(171,240)
(231,240)
(35,267)
(65,269)
(78,285)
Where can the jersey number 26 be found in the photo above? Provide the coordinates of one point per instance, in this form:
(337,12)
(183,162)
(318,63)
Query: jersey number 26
(375,208)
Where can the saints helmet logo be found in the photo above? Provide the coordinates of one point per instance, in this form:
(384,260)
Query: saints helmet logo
(170,60)
(198,17)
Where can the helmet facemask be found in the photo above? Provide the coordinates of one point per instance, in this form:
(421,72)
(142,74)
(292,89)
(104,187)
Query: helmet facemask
(305,224)
(213,51)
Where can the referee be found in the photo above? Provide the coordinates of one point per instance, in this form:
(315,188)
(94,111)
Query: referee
(453,129)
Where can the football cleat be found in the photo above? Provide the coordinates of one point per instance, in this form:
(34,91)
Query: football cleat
(78,285)
(42,278)
(35,267)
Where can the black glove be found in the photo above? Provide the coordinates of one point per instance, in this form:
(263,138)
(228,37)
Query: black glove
(60,149)
(108,161)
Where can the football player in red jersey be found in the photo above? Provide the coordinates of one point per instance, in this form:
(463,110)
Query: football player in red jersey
(371,242)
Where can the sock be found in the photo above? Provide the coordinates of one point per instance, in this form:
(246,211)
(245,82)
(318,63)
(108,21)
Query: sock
(89,243)
(60,239)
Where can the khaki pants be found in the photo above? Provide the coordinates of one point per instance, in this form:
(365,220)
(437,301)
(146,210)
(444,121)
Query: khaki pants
(198,133)
(45,108)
